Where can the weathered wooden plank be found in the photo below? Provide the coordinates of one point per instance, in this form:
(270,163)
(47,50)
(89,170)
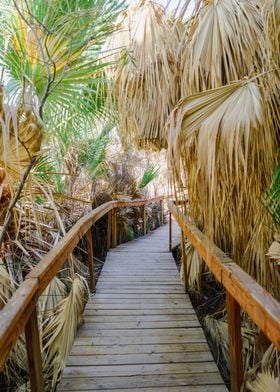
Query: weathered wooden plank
(139,306)
(129,300)
(33,348)
(136,312)
(191,388)
(143,381)
(92,324)
(82,340)
(181,332)
(101,295)
(139,349)
(132,359)
(96,318)
(138,370)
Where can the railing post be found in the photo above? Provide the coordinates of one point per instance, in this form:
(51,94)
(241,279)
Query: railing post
(161,212)
(90,261)
(170,232)
(109,229)
(184,262)
(144,219)
(114,228)
(34,353)
(235,343)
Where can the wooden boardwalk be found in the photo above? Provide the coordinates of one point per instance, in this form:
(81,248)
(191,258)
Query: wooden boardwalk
(141,332)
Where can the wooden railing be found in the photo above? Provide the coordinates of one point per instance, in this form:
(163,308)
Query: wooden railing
(242,291)
(20,313)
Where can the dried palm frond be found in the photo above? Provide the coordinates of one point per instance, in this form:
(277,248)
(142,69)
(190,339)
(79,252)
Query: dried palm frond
(195,266)
(223,45)
(52,296)
(60,329)
(220,147)
(21,137)
(144,81)
(6,289)
(218,331)
(265,382)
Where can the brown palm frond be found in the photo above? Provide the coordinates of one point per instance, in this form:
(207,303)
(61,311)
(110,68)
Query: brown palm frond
(60,329)
(221,147)
(195,267)
(144,81)
(223,44)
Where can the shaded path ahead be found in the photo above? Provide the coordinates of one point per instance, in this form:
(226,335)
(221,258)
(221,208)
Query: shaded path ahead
(141,333)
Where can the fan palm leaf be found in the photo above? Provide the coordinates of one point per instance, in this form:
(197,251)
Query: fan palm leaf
(144,84)
(224,42)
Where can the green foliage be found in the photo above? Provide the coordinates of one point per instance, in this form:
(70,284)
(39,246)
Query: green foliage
(93,153)
(50,51)
(271,198)
(149,175)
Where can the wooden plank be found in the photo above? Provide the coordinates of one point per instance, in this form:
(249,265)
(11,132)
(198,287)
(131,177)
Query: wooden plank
(157,332)
(140,295)
(138,306)
(128,300)
(137,370)
(141,349)
(33,347)
(14,317)
(92,324)
(137,312)
(235,343)
(191,388)
(142,319)
(83,340)
(261,307)
(114,228)
(90,260)
(145,381)
(132,359)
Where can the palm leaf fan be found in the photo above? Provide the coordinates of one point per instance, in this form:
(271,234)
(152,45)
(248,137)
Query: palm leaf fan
(60,330)
(264,382)
(218,142)
(224,45)
(143,81)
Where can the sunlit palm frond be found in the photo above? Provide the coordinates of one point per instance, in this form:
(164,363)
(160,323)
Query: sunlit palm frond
(224,45)
(60,330)
(144,81)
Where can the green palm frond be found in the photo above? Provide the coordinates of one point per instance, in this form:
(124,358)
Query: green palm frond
(93,153)
(149,175)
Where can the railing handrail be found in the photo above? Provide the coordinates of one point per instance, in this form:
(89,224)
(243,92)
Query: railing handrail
(242,291)
(16,313)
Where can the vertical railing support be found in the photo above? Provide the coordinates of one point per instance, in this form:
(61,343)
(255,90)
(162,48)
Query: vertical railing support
(114,228)
(161,212)
(33,347)
(144,219)
(109,230)
(184,262)
(235,343)
(90,261)
(170,232)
